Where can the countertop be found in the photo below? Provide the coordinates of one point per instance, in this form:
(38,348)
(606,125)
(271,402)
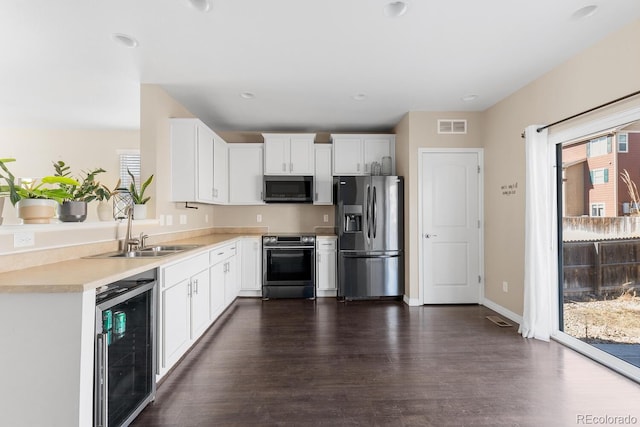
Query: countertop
(82,274)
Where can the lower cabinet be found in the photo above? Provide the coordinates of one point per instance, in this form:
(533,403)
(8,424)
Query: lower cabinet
(224,273)
(184,308)
(326,266)
(251,267)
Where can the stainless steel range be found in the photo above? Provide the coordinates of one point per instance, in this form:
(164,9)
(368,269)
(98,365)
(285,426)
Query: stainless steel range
(289,266)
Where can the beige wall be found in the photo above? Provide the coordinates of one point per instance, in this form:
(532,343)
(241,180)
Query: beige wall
(419,129)
(604,72)
(36,149)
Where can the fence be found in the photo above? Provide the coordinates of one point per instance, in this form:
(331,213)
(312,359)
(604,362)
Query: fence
(600,267)
(612,227)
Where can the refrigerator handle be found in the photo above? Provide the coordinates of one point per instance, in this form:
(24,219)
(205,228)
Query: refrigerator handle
(374,212)
(368,213)
(102,387)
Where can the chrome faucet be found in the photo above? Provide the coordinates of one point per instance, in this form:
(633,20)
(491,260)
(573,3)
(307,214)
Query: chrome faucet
(129,242)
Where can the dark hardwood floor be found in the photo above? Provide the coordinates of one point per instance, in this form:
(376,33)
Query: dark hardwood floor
(300,362)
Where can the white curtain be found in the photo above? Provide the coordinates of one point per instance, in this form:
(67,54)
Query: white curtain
(541,258)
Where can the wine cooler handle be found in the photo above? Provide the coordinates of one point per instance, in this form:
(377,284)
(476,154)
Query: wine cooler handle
(103,381)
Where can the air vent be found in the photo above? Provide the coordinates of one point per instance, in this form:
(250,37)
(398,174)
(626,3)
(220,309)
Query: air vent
(452,126)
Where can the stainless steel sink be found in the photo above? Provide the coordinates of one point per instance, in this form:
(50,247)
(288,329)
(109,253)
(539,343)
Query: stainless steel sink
(149,252)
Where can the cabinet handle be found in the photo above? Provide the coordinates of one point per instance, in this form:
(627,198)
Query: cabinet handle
(196,287)
(316,196)
(366,167)
(284,167)
(358,168)
(290,167)
(189,289)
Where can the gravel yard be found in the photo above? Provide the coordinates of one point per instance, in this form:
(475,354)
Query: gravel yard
(614,320)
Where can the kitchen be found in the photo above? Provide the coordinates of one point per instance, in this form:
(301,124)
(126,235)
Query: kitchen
(493,130)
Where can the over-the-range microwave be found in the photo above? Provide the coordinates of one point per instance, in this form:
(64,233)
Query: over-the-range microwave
(288,189)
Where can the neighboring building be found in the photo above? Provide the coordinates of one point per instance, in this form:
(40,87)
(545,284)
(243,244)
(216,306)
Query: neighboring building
(591,173)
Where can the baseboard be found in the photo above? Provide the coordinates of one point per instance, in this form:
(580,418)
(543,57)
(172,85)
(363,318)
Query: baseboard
(502,311)
(412,302)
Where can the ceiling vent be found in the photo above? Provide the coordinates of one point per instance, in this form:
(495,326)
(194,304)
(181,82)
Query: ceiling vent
(452,126)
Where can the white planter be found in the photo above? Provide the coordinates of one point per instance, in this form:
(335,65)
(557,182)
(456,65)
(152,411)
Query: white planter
(105,211)
(37,211)
(139,211)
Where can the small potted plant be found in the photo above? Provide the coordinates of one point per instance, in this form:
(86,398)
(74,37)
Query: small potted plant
(8,189)
(103,195)
(139,200)
(38,202)
(74,208)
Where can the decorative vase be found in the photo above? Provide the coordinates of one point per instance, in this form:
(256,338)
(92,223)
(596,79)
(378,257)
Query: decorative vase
(73,211)
(105,211)
(139,211)
(37,211)
(122,200)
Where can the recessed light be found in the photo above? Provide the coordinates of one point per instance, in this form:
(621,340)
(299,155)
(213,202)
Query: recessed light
(584,12)
(201,5)
(359,96)
(125,40)
(395,9)
(469,98)
(247,95)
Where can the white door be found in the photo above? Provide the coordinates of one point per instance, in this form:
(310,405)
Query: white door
(451,252)
(301,156)
(347,156)
(245,174)
(276,155)
(220,173)
(322,178)
(204,158)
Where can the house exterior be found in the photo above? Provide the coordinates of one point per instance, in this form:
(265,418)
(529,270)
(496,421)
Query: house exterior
(591,170)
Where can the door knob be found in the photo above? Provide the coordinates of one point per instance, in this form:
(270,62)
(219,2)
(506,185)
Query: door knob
(428,236)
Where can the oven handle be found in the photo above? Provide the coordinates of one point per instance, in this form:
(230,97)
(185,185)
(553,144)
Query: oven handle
(288,247)
(103,385)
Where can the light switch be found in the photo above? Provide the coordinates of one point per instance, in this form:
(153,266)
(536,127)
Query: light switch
(169,220)
(183,219)
(259,218)
(325,218)
(23,239)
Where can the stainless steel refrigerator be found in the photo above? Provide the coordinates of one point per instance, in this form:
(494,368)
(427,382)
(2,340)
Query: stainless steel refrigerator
(369,222)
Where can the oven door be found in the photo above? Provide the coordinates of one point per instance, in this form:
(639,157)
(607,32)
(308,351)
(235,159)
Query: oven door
(289,272)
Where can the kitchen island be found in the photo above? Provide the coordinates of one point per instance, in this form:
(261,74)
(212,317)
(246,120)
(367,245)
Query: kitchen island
(47,330)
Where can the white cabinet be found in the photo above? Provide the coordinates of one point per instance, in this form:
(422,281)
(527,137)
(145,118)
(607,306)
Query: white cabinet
(245,174)
(198,163)
(354,154)
(251,267)
(288,154)
(223,274)
(326,266)
(184,307)
(322,178)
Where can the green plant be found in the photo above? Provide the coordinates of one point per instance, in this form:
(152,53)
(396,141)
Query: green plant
(10,188)
(32,189)
(83,190)
(138,197)
(104,193)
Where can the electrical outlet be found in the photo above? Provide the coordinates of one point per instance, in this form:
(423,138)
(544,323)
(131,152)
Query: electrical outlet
(325,218)
(183,219)
(161,220)
(505,287)
(259,218)
(23,239)
(206,218)
(169,220)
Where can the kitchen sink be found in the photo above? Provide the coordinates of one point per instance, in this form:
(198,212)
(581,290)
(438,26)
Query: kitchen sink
(148,252)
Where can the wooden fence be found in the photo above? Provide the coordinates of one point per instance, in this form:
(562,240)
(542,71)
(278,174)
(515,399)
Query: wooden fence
(601,267)
(619,226)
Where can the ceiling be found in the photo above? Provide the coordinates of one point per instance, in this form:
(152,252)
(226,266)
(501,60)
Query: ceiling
(305,61)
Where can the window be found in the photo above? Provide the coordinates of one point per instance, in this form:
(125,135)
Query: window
(623,142)
(129,160)
(599,176)
(597,209)
(599,146)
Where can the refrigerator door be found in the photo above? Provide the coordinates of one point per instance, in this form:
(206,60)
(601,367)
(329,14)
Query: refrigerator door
(353,213)
(366,276)
(387,233)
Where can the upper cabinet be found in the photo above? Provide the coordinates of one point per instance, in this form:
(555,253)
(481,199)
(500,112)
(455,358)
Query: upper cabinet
(288,154)
(322,178)
(245,174)
(354,154)
(198,163)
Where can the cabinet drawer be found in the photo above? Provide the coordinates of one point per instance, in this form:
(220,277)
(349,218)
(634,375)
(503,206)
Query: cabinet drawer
(326,244)
(222,253)
(180,270)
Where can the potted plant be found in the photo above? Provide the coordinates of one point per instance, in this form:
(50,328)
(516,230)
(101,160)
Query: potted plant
(74,208)
(139,200)
(38,202)
(103,195)
(8,189)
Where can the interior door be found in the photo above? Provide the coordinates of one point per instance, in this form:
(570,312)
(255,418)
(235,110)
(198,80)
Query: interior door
(451,250)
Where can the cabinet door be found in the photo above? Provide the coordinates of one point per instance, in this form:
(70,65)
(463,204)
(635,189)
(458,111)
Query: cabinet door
(245,174)
(183,163)
(176,324)
(301,156)
(200,303)
(220,172)
(205,169)
(374,150)
(216,296)
(250,276)
(347,156)
(230,283)
(326,264)
(276,155)
(322,178)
